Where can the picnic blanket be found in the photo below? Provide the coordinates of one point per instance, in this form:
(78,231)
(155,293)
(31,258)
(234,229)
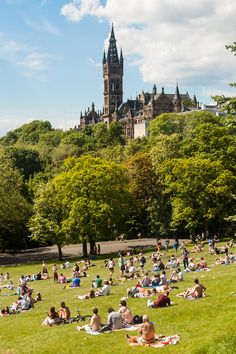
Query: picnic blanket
(194,298)
(95,333)
(161,341)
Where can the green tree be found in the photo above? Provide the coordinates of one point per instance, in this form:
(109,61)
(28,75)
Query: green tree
(152,210)
(26,160)
(227,103)
(14,209)
(201,192)
(87,201)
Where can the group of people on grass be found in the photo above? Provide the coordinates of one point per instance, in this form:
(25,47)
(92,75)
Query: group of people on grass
(155,282)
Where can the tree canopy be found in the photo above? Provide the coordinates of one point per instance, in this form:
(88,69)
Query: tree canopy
(88,201)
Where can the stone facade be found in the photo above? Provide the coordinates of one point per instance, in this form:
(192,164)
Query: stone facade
(134,115)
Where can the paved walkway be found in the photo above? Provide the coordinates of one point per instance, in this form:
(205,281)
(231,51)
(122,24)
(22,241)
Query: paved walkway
(71,251)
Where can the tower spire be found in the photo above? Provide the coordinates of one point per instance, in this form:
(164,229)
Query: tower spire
(112,54)
(177,95)
(177,100)
(104,57)
(121,57)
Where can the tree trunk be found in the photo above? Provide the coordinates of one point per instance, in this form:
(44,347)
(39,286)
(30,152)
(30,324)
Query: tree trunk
(85,251)
(92,246)
(59,252)
(193,236)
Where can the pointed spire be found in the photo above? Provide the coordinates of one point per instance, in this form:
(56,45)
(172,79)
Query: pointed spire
(93,107)
(195,100)
(104,57)
(177,95)
(81,115)
(112,54)
(112,36)
(154,90)
(121,56)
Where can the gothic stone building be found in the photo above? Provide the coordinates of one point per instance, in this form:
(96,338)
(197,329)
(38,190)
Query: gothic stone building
(134,115)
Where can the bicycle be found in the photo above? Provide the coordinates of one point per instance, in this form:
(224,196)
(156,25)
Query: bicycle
(77,318)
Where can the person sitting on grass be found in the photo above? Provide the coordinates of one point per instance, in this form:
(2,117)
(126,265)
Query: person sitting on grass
(106,289)
(76,282)
(95,323)
(5,312)
(97,282)
(222,260)
(64,312)
(196,292)
(146,280)
(62,279)
(114,321)
(202,264)
(147,332)
(125,312)
(156,280)
(191,265)
(38,297)
(52,318)
(163,300)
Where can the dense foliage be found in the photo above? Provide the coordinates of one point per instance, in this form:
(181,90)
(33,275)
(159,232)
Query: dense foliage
(93,185)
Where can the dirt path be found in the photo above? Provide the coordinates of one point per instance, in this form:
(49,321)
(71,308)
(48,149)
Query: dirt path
(47,253)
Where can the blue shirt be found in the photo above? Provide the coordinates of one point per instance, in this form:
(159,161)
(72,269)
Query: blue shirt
(76,282)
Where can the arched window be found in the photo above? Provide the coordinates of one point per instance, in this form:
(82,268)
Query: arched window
(112,86)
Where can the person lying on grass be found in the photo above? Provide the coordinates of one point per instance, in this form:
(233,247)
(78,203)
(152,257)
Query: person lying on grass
(95,323)
(162,300)
(196,292)
(147,332)
(90,295)
(140,292)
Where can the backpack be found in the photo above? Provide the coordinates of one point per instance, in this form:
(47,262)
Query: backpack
(137,319)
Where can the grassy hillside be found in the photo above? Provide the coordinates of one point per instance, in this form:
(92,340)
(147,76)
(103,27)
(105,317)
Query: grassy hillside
(205,326)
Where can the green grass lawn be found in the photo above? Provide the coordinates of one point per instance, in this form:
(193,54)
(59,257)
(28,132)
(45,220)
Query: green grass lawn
(205,326)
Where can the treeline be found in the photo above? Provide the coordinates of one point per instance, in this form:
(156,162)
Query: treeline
(85,186)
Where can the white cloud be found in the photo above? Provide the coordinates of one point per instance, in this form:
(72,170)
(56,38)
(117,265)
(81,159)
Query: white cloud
(43,25)
(8,47)
(94,63)
(33,61)
(76,10)
(171,39)
(19,55)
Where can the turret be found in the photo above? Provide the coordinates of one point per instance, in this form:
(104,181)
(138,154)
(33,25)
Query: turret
(121,57)
(112,54)
(104,57)
(177,100)
(154,90)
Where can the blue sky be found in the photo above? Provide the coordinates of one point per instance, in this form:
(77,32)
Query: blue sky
(51,52)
